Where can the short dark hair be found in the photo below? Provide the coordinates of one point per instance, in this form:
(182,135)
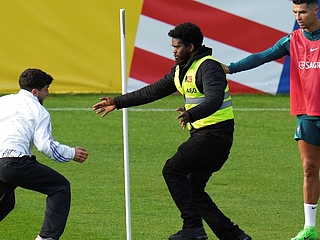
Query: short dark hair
(187,33)
(308,2)
(34,78)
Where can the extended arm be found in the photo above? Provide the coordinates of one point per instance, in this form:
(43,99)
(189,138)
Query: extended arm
(162,88)
(280,49)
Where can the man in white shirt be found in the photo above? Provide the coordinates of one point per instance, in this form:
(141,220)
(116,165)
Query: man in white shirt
(24,122)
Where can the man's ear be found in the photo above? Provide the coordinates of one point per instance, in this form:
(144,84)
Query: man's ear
(191,47)
(34,92)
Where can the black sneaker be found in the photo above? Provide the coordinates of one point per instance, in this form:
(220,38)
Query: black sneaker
(190,234)
(244,236)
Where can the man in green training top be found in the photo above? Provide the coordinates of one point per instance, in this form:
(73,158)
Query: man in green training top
(303,46)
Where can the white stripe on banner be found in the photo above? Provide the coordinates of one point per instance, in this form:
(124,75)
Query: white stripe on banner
(134,84)
(153,37)
(282,16)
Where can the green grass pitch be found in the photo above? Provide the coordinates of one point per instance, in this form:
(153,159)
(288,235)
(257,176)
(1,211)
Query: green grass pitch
(259,188)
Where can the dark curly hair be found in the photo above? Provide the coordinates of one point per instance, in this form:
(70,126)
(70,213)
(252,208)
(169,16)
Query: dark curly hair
(187,33)
(34,78)
(308,2)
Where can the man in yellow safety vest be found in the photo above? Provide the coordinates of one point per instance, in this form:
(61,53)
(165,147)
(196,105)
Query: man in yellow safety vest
(208,115)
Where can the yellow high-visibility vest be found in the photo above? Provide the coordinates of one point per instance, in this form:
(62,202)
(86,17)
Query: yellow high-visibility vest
(193,96)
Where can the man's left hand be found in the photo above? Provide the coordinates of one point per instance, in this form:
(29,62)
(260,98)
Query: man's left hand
(184,117)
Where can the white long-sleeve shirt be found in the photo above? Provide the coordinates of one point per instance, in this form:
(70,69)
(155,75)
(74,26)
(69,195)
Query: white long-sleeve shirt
(24,122)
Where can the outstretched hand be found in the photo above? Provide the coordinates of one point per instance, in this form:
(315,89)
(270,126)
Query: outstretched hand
(105,106)
(184,117)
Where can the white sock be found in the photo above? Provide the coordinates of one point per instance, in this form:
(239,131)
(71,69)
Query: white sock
(310,213)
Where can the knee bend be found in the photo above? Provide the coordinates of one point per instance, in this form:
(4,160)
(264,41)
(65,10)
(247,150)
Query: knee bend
(64,188)
(67,186)
(165,169)
(310,171)
(168,170)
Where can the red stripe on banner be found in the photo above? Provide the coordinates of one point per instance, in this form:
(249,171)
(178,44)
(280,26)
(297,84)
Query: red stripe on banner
(215,24)
(149,67)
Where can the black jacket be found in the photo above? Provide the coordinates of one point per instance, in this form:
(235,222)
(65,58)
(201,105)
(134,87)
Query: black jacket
(210,80)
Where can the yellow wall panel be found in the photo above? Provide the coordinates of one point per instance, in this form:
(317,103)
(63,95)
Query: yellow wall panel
(76,41)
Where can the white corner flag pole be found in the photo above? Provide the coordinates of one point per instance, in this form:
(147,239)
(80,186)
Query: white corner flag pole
(125,123)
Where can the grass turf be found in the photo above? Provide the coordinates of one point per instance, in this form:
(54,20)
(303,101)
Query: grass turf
(259,188)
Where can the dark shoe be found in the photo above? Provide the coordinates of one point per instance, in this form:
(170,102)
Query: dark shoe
(190,234)
(244,236)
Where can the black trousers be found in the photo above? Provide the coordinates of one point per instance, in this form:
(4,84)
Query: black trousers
(28,173)
(186,175)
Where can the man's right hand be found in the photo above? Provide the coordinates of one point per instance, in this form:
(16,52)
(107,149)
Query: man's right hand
(226,68)
(105,106)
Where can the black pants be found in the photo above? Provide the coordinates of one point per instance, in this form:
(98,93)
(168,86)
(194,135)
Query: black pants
(186,175)
(28,173)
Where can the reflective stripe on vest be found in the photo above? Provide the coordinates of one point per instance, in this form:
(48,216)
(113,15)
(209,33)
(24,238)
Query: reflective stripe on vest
(225,104)
(193,97)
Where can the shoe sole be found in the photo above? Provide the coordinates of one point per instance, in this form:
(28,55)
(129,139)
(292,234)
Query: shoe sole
(198,238)
(201,238)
